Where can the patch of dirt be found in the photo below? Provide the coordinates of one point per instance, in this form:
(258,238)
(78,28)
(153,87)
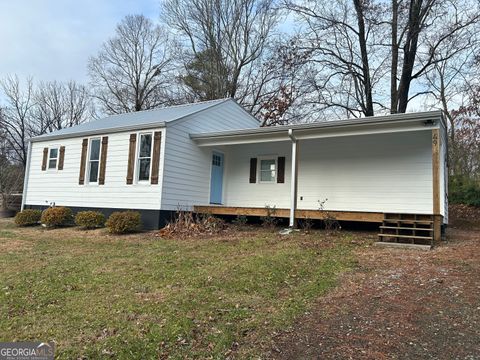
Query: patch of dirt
(12,245)
(398,304)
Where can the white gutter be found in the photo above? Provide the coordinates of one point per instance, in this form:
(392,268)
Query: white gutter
(293,181)
(27,172)
(421,118)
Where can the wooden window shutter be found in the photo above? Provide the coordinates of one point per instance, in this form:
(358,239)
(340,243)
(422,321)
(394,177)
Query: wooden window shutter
(157,141)
(253,170)
(83,162)
(131,158)
(45,159)
(103,161)
(281,170)
(61,157)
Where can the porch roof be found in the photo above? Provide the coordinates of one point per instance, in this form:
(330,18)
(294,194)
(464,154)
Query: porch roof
(335,128)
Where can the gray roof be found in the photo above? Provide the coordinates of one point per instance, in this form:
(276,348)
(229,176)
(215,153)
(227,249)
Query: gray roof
(132,120)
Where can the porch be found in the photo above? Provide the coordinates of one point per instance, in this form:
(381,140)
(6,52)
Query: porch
(413,229)
(345,170)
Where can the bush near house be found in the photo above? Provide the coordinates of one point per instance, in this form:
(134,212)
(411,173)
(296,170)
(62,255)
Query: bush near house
(188,224)
(28,217)
(90,219)
(464,191)
(123,222)
(57,216)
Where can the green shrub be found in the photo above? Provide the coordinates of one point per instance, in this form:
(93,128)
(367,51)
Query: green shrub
(28,217)
(90,219)
(122,222)
(57,216)
(464,191)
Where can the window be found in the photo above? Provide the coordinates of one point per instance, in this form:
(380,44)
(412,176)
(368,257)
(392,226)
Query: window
(216,160)
(94,160)
(144,157)
(268,170)
(52,158)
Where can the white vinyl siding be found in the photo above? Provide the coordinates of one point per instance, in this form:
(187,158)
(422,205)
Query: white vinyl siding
(187,166)
(238,189)
(62,187)
(378,173)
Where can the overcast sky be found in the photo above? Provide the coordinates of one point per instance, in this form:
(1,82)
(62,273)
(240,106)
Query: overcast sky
(53,39)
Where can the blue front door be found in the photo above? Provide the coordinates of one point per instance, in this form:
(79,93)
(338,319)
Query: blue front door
(216,181)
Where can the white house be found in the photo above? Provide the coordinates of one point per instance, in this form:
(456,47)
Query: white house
(213,157)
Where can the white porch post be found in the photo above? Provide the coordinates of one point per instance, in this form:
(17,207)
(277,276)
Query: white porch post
(293,181)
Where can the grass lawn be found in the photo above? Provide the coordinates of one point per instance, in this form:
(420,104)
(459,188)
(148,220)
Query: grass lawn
(141,296)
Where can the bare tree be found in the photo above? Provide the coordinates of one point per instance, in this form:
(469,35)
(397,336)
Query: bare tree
(60,105)
(454,87)
(224,43)
(279,85)
(11,181)
(17,116)
(33,110)
(465,151)
(450,82)
(344,36)
(207,77)
(133,69)
(360,48)
(429,25)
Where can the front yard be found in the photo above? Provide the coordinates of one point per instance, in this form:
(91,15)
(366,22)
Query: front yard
(247,293)
(142,296)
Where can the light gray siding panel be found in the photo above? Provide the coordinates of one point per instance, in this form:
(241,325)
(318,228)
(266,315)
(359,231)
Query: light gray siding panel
(187,167)
(239,191)
(384,173)
(62,186)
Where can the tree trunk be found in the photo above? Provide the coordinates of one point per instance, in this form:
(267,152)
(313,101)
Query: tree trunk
(367,85)
(394,64)
(410,53)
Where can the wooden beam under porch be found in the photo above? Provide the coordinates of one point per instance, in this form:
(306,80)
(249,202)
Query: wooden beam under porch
(375,217)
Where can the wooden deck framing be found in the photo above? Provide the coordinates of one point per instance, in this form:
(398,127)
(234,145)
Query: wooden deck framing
(375,217)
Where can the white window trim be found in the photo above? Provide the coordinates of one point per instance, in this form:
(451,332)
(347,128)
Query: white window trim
(137,158)
(259,168)
(56,159)
(87,175)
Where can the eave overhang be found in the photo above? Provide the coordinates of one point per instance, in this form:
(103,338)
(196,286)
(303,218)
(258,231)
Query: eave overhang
(102,131)
(364,126)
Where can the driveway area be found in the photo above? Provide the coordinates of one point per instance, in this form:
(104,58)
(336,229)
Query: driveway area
(397,304)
